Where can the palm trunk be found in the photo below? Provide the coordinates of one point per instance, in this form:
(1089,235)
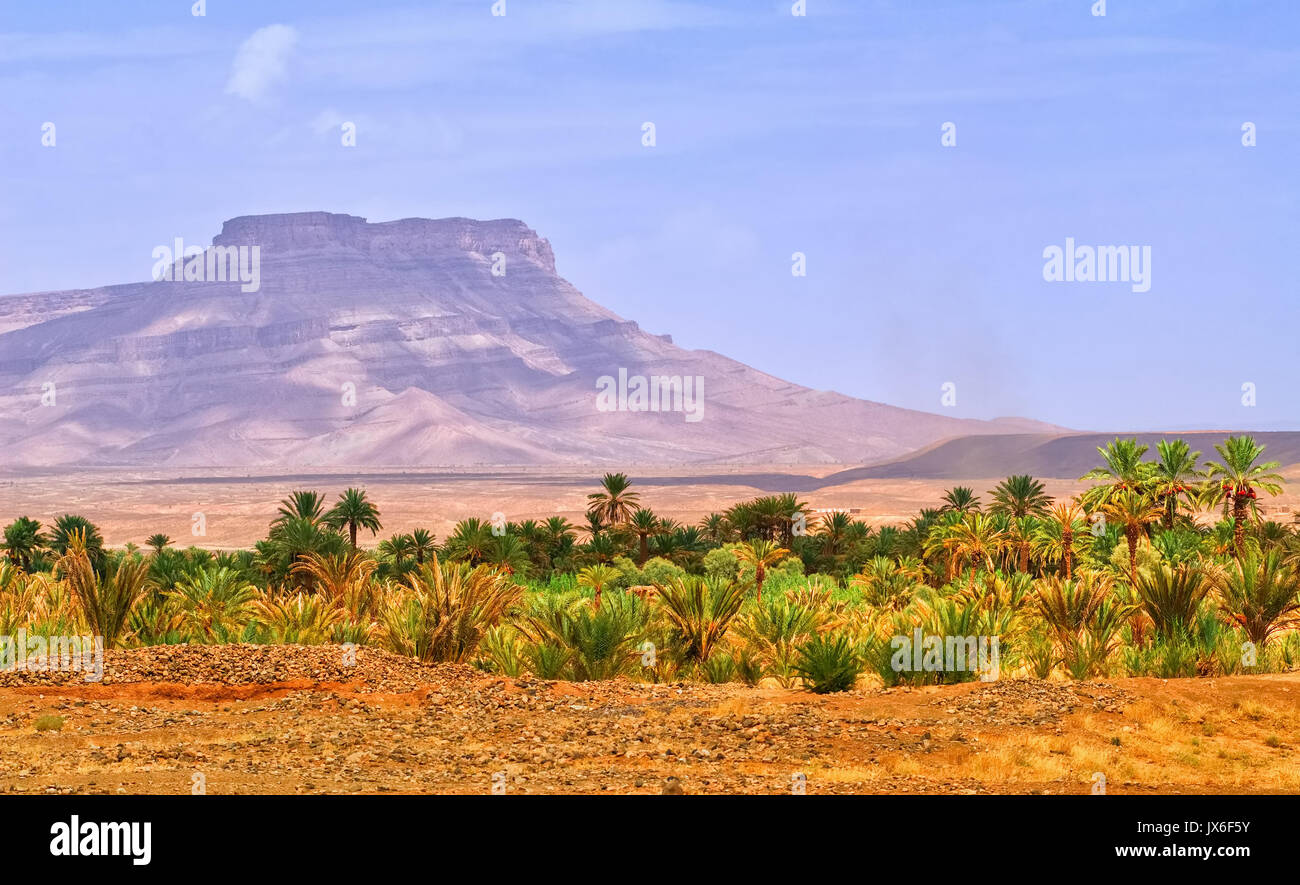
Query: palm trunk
(1131,534)
(1023,564)
(1238,522)
(645,549)
(758,580)
(1067,542)
(352,534)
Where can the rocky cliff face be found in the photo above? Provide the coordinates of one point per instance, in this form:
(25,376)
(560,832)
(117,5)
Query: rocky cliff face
(394,344)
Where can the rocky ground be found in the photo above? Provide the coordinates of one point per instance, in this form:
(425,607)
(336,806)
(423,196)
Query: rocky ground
(248,719)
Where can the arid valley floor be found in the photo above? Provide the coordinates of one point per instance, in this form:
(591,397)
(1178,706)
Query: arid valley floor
(129,506)
(296,720)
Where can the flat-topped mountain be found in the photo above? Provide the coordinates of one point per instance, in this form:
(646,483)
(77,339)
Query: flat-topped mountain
(404,343)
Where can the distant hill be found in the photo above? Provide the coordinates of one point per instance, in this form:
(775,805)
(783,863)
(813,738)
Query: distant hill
(450,363)
(1049,456)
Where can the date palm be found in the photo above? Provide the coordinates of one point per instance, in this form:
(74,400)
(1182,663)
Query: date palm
(645,525)
(1054,540)
(71,525)
(1020,532)
(158,542)
(715,528)
(469,541)
(699,611)
(423,545)
(1260,594)
(1240,476)
(301,504)
(833,532)
(353,511)
(961,499)
(760,554)
(1132,511)
(977,539)
(105,599)
(215,604)
(596,578)
(615,503)
(23,540)
(1175,477)
(1019,496)
(508,554)
(940,540)
(297,537)
(397,548)
(1124,470)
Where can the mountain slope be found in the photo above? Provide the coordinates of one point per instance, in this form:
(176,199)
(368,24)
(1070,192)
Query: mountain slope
(395,344)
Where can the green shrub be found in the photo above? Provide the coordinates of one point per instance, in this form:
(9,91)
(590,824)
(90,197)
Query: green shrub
(827,664)
(49,723)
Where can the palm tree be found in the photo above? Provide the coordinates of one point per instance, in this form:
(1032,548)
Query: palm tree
(644,524)
(960,499)
(598,577)
(940,540)
(508,554)
(699,611)
(1174,475)
(301,505)
(833,532)
(445,610)
(1172,596)
(760,554)
(1020,495)
(470,541)
(105,600)
(23,540)
(1132,511)
(790,511)
(1021,531)
(158,542)
(1259,594)
(715,528)
(355,511)
(1124,470)
(1241,476)
(397,548)
(1055,538)
(614,504)
(976,538)
(216,603)
(297,537)
(70,525)
(423,545)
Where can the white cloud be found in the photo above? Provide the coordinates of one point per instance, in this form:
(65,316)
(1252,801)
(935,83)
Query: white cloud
(261,60)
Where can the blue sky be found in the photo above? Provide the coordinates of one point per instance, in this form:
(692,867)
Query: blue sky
(775,134)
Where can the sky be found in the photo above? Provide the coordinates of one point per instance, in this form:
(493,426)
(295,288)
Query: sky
(774,134)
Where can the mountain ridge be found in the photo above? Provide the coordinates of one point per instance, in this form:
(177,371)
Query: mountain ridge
(395,343)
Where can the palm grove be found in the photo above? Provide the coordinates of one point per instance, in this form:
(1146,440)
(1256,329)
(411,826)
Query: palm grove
(1163,566)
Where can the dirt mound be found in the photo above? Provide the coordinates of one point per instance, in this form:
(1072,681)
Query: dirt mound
(1031,702)
(297,666)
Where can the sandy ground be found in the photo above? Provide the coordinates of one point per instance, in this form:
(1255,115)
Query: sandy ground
(237,508)
(392,725)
